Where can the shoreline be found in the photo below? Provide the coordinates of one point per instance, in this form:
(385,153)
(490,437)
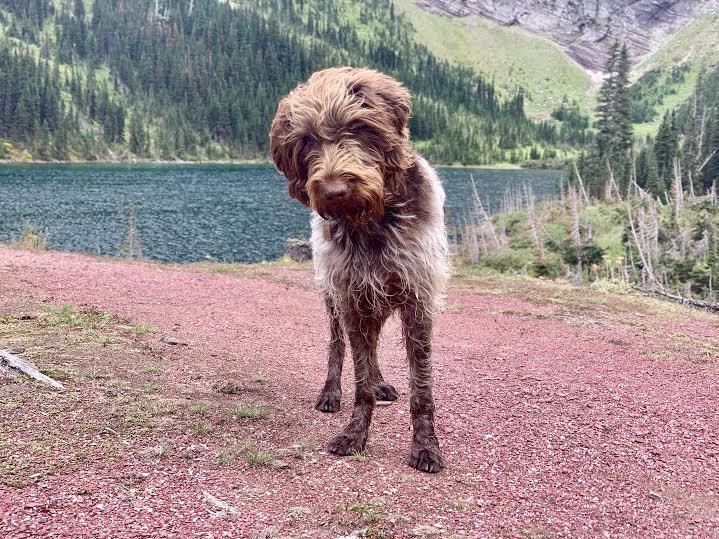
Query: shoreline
(238,162)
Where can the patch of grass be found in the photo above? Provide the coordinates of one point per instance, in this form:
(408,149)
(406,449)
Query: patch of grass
(68,315)
(228,388)
(96,374)
(106,340)
(200,408)
(58,373)
(152,368)
(250,411)
(244,450)
(366,510)
(161,451)
(144,329)
(257,457)
(230,454)
(202,428)
(114,384)
(31,239)
(149,386)
(359,457)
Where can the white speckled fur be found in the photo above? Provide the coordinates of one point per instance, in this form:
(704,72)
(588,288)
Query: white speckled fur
(414,254)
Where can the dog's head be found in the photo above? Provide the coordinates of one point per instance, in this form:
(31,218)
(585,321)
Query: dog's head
(341,140)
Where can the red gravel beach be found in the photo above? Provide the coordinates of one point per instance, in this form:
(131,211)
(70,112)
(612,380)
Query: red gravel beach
(559,415)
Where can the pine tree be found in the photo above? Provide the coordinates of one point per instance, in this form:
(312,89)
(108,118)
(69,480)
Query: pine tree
(666,147)
(710,172)
(606,102)
(138,137)
(622,139)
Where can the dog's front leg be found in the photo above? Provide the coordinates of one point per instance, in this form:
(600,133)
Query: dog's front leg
(425,454)
(363,333)
(331,394)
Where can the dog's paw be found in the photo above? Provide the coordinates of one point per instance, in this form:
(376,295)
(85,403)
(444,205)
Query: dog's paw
(345,444)
(426,458)
(385,392)
(329,402)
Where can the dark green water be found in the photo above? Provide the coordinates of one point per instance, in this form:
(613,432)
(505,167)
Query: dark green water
(238,213)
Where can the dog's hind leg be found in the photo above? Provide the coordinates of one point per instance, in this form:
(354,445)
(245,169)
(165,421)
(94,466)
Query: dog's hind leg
(331,395)
(363,332)
(425,454)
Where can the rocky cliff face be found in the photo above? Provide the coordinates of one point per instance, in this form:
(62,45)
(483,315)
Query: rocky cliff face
(586,28)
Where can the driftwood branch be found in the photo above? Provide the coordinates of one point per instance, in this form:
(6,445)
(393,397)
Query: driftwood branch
(223,509)
(15,365)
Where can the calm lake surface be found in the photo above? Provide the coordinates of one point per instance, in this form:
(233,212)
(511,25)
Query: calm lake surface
(237,213)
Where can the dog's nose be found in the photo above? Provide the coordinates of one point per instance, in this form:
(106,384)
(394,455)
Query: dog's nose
(334,191)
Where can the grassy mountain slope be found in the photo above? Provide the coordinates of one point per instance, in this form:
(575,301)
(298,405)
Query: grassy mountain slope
(668,77)
(512,57)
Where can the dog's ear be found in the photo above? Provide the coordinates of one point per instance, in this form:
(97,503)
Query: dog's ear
(392,101)
(287,153)
(383,92)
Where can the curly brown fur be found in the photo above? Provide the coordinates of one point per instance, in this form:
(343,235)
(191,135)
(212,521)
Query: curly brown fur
(378,236)
(344,125)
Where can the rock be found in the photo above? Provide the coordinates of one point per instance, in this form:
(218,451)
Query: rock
(173,341)
(299,250)
(279,464)
(586,30)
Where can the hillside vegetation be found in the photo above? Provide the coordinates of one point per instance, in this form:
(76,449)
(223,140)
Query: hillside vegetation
(121,79)
(668,77)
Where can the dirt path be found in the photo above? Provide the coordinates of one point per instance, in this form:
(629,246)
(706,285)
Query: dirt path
(558,418)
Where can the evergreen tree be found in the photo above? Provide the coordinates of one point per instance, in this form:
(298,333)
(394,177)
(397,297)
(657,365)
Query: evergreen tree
(613,145)
(710,172)
(138,136)
(666,148)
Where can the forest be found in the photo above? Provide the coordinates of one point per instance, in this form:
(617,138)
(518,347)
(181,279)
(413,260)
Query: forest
(631,214)
(200,80)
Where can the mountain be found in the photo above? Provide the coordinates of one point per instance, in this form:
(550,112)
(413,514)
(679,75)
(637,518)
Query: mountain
(200,79)
(555,48)
(586,29)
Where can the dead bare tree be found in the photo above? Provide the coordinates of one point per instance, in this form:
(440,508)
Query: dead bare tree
(480,211)
(532,220)
(648,276)
(678,189)
(581,183)
(612,186)
(575,204)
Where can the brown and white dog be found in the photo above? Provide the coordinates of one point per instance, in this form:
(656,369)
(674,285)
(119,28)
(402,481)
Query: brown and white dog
(378,237)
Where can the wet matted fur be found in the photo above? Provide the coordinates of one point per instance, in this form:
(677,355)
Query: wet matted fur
(378,237)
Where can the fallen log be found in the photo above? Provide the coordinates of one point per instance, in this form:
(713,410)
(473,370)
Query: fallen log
(15,365)
(699,304)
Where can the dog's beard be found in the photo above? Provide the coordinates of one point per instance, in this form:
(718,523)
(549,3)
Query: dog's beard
(364,203)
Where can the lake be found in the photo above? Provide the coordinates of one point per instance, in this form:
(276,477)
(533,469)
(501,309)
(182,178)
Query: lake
(237,213)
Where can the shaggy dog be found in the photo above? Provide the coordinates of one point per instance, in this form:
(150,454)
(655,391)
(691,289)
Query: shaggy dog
(378,237)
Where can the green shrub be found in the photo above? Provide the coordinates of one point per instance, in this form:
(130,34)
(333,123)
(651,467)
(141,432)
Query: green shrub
(550,266)
(508,260)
